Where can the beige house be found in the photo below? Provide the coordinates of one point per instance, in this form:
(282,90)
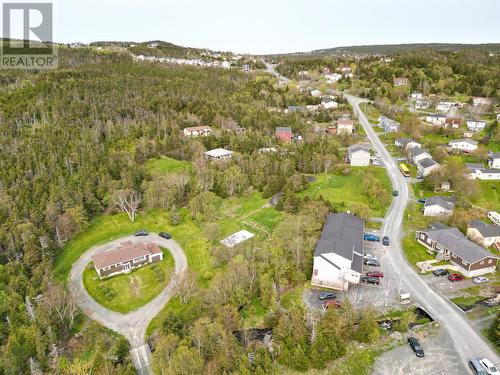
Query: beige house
(484,234)
(359,155)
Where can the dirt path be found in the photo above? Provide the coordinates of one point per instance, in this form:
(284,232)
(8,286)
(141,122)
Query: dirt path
(134,324)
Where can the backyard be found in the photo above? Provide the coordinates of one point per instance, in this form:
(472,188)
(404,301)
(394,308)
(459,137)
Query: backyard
(127,292)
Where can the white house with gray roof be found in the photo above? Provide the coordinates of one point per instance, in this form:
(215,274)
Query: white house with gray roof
(484,234)
(338,257)
(464,144)
(494,161)
(359,155)
(416,153)
(439,206)
(476,125)
(426,166)
(389,125)
(477,171)
(450,244)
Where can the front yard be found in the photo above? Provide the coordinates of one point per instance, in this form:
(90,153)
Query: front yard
(127,292)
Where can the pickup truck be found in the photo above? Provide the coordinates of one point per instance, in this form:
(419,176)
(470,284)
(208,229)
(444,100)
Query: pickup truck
(371,237)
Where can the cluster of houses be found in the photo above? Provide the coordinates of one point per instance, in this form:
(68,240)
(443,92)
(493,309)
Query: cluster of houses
(482,172)
(344,125)
(182,61)
(418,156)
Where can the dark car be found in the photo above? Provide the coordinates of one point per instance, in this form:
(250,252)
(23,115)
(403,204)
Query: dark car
(455,277)
(372,262)
(385,241)
(165,235)
(141,233)
(375,274)
(422,200)
(415,345)
(440,272)
(395,193)
(327,295)
(332,303)
(370,280)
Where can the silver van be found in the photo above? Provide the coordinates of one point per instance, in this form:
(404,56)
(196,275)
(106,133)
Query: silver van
(476,367)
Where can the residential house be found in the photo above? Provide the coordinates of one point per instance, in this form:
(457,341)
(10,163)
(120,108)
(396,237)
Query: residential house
(494,161)
(416,153)
(338,256)
(416,95)
(401,81)
(477,101)
(232,126)
(436,119)
(450,244)
(296,108)
(476,125)
(464,145)
(126,257)
(406,143)
(245,67)
(218,154)
(316,93)
(439,206)
(329,104)
(359,155)
(426,166)
(479,172)
(284,134)
(445,186)
(484,234)
(389,126)
(195,131)
(468,134)
(422,104)
(446,106)
(333,77)
(345,126)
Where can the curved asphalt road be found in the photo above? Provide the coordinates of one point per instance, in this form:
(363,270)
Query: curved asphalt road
(134,324)
(466,340)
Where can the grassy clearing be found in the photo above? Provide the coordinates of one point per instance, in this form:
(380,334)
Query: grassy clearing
(490,195)
(466,303)
(414,252)
(268,218)
(253,315)
(165,165)
(128,292)
(347,189)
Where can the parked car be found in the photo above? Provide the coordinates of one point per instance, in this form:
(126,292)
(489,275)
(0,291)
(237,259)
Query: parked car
(332,303)
(371,237)
(165,235)
(369,256)
(385,241)
(375,274)
(327,295)
(370,280)
(440,272)
(372,262)
(416,347)
(476,367)
(141,233)
(480,280)
(490,367)
(422,200)
(395,193)
(455,277)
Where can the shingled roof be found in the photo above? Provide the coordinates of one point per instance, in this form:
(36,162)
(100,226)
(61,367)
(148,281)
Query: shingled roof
(125,253)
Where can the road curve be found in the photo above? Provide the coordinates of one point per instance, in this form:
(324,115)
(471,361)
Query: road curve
(134,324)
(468,343)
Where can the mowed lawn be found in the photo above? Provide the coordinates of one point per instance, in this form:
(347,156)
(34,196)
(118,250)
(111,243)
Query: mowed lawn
(127,292)
(346,189)
(164,165)
(490,195)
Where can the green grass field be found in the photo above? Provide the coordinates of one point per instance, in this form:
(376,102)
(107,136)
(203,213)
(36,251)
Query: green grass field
(490,195)
(341,189)
(127,292)
(164,165)
(414,252)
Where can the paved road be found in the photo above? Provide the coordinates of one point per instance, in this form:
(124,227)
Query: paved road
(134,324)
(270,69)
(466,340)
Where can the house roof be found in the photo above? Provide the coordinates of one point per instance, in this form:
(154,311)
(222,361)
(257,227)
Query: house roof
(126,252)
(217,152)
(342,234)
(345,121)
(445,202)
(437,225)
(437,115)
(466,140)
(415,151)
(355,148)
(458,244)
(197,128)
(495,155)
(474,166)
(486,230)
(283,129)
(427,162)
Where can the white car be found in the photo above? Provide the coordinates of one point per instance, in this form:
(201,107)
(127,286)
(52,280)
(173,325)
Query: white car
(370,256)
(480,280)
(489,367)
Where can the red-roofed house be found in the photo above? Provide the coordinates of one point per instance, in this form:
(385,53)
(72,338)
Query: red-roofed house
(125,258)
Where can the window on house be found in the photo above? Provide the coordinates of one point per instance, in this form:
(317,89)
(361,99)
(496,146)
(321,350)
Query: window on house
(490,260)
(315,272)
(481,262)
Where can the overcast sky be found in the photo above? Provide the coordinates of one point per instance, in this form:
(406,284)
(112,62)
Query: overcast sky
(267,26)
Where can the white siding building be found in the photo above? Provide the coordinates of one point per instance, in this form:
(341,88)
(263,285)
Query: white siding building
(359,155)
(439,206)
(465,145)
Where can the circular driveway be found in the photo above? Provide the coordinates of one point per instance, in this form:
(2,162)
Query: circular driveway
(132,325)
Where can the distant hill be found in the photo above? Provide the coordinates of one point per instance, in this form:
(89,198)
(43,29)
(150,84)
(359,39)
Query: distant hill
(389,49)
